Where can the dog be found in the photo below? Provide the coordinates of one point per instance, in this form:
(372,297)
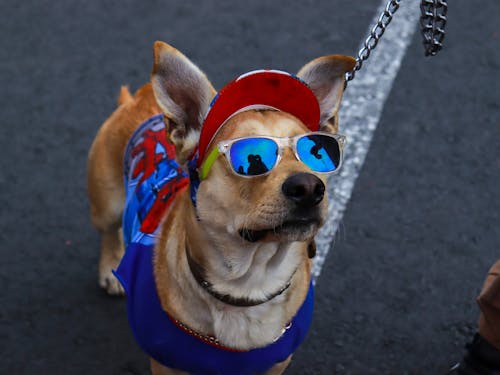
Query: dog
(223,195)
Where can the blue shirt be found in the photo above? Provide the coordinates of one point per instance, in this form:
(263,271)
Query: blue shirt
(153,329)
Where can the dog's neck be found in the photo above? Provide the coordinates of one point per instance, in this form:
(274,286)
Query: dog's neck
(253,271)
(199,275)
(257,272)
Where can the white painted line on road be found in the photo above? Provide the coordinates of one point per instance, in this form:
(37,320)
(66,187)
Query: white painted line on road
(362,106)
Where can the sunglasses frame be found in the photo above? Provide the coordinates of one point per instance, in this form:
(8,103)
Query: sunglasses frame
(224,148)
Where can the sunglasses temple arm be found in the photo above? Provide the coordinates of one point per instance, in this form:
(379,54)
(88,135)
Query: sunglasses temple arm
(207,164)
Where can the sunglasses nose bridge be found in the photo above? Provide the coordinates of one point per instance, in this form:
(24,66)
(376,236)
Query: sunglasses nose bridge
(282,142)
(286,146)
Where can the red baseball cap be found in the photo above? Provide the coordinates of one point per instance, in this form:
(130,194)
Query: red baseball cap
(259,89)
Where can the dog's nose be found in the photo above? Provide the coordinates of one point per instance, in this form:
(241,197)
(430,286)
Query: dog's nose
(304,189)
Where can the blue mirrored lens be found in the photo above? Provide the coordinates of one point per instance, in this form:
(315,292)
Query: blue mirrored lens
(253,156)
(319,152)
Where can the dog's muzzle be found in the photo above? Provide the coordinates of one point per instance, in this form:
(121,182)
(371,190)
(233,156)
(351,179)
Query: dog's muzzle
(305,192)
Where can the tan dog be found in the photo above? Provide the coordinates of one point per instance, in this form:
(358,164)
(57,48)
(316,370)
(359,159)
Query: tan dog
(245,241)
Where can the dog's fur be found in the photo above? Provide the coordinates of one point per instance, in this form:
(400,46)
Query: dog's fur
(227,206)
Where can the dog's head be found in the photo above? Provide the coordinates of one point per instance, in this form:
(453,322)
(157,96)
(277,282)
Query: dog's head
(284,204)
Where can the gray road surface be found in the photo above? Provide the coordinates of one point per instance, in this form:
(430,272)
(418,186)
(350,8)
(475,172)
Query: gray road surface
(396,294)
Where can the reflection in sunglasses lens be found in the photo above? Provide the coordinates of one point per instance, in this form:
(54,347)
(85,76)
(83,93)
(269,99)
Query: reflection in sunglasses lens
(253,156)
(319,152)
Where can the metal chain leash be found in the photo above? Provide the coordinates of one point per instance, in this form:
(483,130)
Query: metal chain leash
(432,24)
(376,32)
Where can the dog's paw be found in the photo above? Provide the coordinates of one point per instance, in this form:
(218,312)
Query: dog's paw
(110,284)
(109,261)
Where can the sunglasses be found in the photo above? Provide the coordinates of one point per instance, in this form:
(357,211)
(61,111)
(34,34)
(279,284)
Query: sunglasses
(257,156)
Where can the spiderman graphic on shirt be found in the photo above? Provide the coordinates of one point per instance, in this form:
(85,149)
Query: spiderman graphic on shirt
(159,177)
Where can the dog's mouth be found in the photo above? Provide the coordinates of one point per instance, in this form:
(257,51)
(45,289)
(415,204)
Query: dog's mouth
(296,230)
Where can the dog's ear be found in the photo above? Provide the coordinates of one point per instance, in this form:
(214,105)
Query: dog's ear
(184,93)
(326,78)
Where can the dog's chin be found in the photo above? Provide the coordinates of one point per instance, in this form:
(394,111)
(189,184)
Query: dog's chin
(293,230)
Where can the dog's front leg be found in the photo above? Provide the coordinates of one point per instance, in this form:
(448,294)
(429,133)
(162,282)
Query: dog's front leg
(158,369)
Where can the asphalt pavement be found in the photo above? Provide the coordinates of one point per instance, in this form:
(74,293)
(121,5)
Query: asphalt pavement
(396,294)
